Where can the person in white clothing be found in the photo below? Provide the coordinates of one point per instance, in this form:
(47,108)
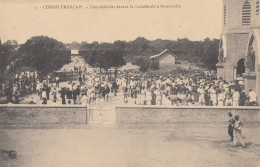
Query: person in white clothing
(252,98)
(221,98)
(201,92)
(235,97)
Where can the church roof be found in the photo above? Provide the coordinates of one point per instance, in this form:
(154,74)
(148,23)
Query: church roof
(162,53)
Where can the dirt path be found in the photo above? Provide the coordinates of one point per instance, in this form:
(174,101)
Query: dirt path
(98,146)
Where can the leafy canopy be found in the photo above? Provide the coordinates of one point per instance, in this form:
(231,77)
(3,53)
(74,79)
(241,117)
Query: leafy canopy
(44,54)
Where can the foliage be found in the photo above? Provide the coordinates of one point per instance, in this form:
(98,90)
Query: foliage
(103,55)
(73,45)
(143,63)
(155,66)
(193,51)
(8,52)
(8,56)
(44,54)
(210,55)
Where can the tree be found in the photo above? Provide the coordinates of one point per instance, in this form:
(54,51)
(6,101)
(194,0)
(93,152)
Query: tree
(210,56)
(155,66)
(44,54)
(143,63)
(74,45)
(102,55)
(139,45)
(192,51)
(8,56)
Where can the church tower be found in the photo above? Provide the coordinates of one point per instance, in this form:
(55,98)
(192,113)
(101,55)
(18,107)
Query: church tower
(239,48)
(234,37)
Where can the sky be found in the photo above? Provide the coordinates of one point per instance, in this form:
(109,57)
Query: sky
(195,20)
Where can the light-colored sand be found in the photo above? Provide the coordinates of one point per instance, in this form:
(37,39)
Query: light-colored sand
(149,146)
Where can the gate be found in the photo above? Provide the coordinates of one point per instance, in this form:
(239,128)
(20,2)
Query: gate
(99,115)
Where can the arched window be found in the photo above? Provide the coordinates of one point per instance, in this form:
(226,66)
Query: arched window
(225,14)
(257,7)
(246,13)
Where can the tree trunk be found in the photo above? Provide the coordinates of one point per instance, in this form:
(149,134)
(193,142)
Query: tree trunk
(2,75)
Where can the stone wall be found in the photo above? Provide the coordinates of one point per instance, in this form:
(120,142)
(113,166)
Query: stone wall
(41,115)
(131,115)
(236,50)
(49,115)
(236,47)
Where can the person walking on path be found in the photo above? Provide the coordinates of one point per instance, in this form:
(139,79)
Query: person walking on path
(57,79)
(237,132)
(231,123)
(107,90)
(54,95)
(44,96)
(114,87)
(48,89)
(63,95)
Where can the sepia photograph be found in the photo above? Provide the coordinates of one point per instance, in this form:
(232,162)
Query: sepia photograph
(129,83)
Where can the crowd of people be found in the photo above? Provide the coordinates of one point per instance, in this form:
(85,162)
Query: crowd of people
(185,89)
(28,83)
(22,85)
(86,89)
(181,89)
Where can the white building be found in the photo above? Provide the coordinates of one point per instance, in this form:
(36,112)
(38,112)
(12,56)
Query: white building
(165,61)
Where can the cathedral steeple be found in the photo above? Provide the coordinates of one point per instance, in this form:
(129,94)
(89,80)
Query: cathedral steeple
(240,43)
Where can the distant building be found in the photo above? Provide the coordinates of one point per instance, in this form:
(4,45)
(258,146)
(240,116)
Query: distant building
(165,61)
(74,52)
(129,67)
(239,51)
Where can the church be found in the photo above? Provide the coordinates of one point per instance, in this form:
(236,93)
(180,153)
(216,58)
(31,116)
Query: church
(239,48)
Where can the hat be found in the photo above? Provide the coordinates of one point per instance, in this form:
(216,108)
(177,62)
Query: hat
(237,116)
(229,113)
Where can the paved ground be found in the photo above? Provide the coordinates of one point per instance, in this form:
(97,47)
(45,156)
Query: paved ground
(177,145)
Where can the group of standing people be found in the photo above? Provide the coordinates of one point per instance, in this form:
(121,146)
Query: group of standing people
(90,88)
(22,85)
(84,94)
(187,88)
(46,88)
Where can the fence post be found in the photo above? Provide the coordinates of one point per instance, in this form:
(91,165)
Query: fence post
(86,114)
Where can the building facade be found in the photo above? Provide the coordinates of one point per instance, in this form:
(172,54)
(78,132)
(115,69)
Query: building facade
(165,61)
(239,50)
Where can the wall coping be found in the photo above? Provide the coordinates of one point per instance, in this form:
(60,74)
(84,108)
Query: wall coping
(39,106)
(191,107)
(129,106)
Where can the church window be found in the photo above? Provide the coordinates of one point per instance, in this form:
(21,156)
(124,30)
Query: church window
(257,7)
(225,14)
(246,13)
